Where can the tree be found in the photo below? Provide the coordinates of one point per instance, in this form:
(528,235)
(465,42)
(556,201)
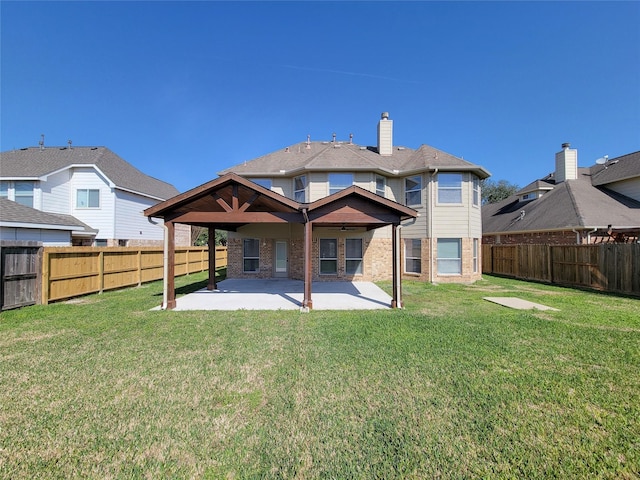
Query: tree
(493,192)
(200,236)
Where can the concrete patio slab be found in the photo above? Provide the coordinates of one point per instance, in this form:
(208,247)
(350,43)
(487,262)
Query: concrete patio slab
(285,294)
(518,303)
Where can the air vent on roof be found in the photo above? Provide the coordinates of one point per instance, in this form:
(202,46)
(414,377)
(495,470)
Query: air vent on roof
(400,148)
(363,148)
(336,145)
(94,148)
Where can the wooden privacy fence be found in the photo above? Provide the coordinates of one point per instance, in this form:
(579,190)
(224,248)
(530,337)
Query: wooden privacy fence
(611,267)
(73,271)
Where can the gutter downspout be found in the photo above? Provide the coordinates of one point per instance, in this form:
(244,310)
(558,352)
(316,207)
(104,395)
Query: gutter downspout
(595,229)
(577,236)
(430,220)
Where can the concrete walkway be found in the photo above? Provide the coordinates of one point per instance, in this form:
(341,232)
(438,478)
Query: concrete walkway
(285,294)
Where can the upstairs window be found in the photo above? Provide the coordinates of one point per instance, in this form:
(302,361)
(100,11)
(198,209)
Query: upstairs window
(328,256)
(476,191)
(339,181)
(87,198)
(251,255)
(24,193)
(413,190)
(300,189)
(4,189)
(353,256)
(263,182)
(381,185)
(450,188)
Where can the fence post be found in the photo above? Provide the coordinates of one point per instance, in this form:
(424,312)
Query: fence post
(101,270)
(45,277)
(139,266)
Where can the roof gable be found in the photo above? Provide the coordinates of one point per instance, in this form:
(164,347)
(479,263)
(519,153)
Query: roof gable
(616,169)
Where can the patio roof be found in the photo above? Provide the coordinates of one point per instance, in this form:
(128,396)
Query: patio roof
(231,201)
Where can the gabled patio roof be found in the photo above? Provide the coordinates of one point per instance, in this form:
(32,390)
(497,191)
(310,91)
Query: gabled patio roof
(231,201)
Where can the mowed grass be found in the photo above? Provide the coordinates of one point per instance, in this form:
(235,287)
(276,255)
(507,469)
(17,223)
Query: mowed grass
(452,386)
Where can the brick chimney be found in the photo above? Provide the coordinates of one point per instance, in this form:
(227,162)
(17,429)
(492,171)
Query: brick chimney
(385,135)
(566,164)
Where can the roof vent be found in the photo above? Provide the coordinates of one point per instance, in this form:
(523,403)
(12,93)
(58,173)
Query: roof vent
(69,142)
(41,142)
(566,145)
(308,147)
(333,135)
(351,139)
(384,115)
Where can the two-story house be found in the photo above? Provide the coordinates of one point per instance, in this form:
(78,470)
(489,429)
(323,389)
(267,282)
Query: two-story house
(357,206)
(92,186)
(571,205)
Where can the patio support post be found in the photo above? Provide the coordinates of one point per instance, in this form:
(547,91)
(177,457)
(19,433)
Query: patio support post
(211,242)
(307,303)
(396,301)
(170,268)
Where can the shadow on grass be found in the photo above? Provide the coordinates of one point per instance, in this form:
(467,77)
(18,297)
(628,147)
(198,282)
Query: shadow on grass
(221,274)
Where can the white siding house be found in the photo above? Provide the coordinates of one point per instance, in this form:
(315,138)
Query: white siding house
(93,185)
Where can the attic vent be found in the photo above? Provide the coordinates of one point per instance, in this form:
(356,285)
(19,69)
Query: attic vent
(400,148)
(363,148)
(325,143)
(336,145)
(94,148)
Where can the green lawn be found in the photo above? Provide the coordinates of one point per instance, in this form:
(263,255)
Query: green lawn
(451,387)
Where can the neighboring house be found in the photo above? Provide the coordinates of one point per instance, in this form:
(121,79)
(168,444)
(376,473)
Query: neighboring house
(572,205)
(94,186)
(345,191)
(21,223)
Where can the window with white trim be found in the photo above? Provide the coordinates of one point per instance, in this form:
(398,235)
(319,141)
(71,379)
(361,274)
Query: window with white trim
(413,190)
(353,256)
(450,188)
(23,191)
(328,256)
(381,185)
(87,198)
(300,189)
(4,189)
(251,255)
(476,191)
(339,181)
(449,256)
(475,255)
(412,255)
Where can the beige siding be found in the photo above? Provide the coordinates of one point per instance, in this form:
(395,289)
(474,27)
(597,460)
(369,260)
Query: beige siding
(629,188)
(283,186)
(318,186)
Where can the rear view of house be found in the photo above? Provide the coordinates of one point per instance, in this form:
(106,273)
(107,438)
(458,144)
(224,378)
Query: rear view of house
(336,210)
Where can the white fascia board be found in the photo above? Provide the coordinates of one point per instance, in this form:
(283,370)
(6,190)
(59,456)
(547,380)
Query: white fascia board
(80,165)
(140,193)
(43,226)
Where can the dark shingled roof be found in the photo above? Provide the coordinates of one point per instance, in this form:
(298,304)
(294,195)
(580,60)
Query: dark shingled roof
(12,212)
(571,204)
(617,169)
(34,162)
(335,156)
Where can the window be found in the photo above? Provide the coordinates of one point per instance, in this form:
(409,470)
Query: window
(475,255)
(450,188)
(24,193)
(449,256)
(263,182)
(86,198)
(328,256)
(412,255)
(381,185)
(251,255)
(4,189)
(528,196)
(413,190)
(353,256)
(476,191)
(339,181)
(100,242)
(300,189)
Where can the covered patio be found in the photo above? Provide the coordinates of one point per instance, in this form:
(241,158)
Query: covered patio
(284,294)
(231,202)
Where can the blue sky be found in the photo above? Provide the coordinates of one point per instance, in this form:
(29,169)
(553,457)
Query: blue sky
(183,90)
